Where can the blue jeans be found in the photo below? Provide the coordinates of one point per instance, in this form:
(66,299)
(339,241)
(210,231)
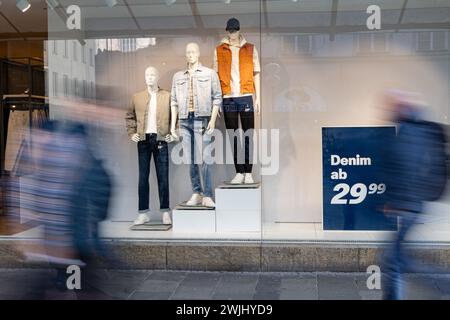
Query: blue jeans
(397,260)
(194,141)
(151,146)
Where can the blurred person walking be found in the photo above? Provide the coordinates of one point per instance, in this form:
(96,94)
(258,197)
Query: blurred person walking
(69,191)
(415,171)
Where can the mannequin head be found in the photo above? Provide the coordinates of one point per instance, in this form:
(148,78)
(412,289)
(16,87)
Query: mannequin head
(234,35)
(233,29)
(192,53)
(151,77)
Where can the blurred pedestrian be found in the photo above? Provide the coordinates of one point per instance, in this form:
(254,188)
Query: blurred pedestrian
(415,170)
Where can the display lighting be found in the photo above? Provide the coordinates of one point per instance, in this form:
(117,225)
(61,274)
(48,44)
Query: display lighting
(111,3)
(23,5)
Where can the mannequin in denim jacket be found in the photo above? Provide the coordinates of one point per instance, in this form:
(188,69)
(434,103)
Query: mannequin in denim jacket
(192,58)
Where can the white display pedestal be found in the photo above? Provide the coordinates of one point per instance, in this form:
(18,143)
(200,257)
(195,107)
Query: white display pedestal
(238,209)
(193,221)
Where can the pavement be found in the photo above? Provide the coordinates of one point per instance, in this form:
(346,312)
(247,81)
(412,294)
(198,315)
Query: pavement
(179,285)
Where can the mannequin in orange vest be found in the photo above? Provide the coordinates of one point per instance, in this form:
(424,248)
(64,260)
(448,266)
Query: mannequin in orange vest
(237,63)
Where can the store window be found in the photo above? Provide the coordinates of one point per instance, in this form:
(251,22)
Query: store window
(322,74)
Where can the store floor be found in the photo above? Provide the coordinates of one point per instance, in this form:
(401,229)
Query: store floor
(181,285)
(10,226)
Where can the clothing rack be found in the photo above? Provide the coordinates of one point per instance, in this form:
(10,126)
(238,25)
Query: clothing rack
(22,96)
(19,102)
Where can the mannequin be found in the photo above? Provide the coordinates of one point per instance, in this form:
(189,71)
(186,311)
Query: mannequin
(196,99)
(148,124)
(237,63)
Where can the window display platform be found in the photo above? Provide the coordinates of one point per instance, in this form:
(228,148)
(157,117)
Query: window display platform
(427,232)
(187,219)
(434,227)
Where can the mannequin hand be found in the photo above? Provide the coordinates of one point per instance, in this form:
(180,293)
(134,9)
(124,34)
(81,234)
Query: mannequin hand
(210,128)
(170,138)
(174,135)
(135,138)
(257,106)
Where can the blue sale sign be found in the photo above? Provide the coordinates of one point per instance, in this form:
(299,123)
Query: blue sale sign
(353,186)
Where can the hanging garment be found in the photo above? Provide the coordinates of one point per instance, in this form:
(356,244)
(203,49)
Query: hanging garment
(18,130)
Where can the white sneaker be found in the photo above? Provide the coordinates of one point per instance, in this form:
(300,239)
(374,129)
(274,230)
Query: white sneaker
(238,179)
(195,200)
(166,218)
(248,178)
(141,219)
(208,202)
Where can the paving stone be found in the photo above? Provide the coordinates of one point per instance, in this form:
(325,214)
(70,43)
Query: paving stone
(167,275)
(158,286)
(417,287)
(337,287)
(197,286)
(363,291)
(162,285)
(117,283)
(150,296)
(443,284)
(299,288)
(236,286)
(268,287)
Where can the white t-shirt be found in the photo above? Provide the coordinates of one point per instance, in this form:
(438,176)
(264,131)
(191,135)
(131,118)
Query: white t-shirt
(151,119)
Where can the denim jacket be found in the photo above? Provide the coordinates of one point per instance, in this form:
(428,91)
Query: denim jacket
(206,90)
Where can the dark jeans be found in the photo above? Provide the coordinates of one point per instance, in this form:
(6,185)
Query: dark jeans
(233,109)
(160,152)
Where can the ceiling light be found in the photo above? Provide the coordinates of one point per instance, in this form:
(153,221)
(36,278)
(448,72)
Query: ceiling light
(170,2)
(111,3)
(23,5)
(227,1)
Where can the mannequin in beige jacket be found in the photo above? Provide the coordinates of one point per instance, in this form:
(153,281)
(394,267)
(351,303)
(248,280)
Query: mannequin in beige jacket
(148,124)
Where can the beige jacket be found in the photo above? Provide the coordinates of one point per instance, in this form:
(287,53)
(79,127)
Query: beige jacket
(137,113)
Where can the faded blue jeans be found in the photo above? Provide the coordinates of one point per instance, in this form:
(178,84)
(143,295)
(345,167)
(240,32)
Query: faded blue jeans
(194,141)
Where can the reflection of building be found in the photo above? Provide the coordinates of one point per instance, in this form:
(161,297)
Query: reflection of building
(71,72)
(361,43)
(120,71)
(124,45)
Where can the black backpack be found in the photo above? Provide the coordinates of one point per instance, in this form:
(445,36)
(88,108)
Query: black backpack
(435,172)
